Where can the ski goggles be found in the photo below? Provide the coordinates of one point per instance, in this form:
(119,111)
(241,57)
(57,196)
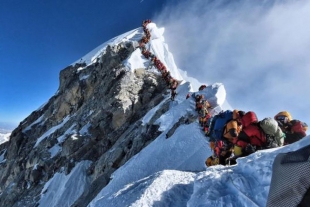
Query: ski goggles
(282,118)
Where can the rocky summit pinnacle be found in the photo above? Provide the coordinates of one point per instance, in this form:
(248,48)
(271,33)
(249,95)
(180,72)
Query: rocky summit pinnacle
(94,116)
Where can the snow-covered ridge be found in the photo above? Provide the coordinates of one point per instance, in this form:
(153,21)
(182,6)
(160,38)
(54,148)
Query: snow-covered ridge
(89,58)
(157,46)
(157,173)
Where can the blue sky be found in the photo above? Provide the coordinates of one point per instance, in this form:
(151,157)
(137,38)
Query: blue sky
(258,49)
(40,38)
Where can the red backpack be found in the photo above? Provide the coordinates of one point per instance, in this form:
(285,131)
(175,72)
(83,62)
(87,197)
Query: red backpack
(252,130)
(297,127)
(248,118)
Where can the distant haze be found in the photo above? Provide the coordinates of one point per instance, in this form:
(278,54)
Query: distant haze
(6,127)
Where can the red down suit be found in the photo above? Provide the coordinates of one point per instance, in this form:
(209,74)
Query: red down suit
(251,133)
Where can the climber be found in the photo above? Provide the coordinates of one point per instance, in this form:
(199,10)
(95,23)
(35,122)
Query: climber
(163,70)
(146,53)
(148,34)
(173,94)
(221,152)
(231,133)
(141,44)
(203,112)
(166,76)
(204,122)
(233,127)
(145,30)
(294,129)
(215,129)
(154,59)
(251,137)
(146,22)
(202,87)
(173,84)
(158,64)
(204,108)
(198,99)
(161,67)
(297,131)
(283,118)
(144,40)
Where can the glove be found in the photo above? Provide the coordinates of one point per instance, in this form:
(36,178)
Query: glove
(249,149)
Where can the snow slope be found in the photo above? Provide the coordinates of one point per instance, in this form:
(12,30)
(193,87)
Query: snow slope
(172,172)
(150,177)
(63,190)
(246,184)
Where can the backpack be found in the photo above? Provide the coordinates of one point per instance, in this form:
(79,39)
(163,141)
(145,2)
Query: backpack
(269,125)
(248,119)
(295,133)
(217,124)
(297,127)
(232,129)
(274,135)
(250,128)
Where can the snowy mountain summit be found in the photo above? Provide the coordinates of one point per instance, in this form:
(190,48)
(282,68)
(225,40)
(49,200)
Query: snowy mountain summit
(112,136)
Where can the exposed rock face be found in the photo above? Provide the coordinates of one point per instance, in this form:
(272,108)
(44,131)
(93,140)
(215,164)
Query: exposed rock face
(93,116)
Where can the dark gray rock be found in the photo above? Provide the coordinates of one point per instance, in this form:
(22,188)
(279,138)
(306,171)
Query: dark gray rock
(95,115)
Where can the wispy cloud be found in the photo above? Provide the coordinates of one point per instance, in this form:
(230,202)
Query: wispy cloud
(258,49)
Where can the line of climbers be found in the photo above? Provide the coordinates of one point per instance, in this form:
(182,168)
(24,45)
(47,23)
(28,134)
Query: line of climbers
(171,82)
(234,134)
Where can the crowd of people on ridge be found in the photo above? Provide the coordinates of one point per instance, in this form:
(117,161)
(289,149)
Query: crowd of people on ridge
(234,134)
(171,82)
